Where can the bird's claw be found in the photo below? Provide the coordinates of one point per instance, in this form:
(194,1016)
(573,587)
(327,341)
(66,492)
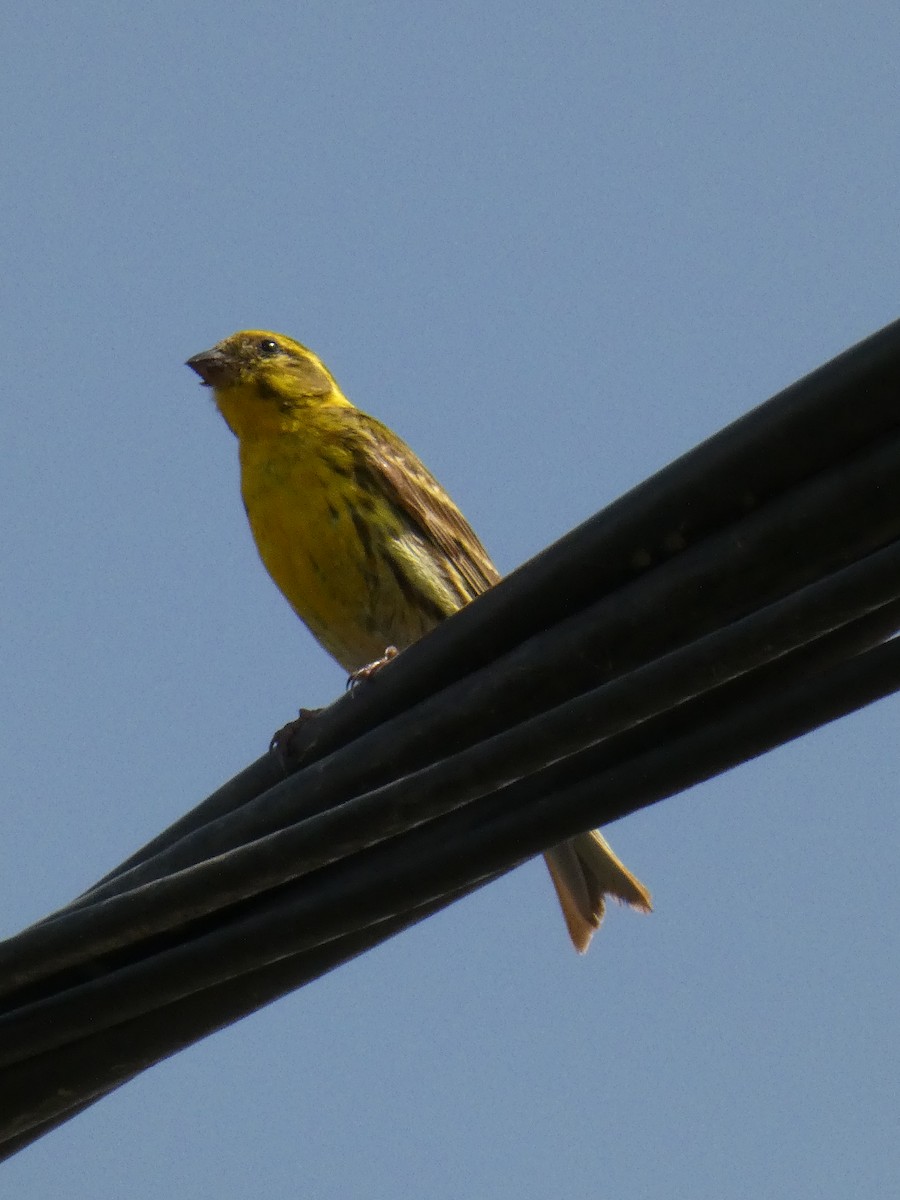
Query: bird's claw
(282,739)
(372,668)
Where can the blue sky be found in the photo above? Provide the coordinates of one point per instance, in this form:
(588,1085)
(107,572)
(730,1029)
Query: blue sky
(554,246)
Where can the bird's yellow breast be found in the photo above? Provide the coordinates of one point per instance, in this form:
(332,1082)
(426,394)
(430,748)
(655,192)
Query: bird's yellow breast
(305,537)
(324,544)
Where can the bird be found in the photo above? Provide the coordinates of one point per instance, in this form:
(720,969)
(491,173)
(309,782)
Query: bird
(366,546)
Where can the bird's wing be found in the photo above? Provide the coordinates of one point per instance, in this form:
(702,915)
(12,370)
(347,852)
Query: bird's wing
(417,494)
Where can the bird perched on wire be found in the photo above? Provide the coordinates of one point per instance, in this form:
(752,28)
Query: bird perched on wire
(364,543)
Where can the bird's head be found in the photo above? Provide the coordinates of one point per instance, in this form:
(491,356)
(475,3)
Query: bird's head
(258,376)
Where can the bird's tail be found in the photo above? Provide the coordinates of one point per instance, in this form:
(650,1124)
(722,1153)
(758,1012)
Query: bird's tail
(584,871)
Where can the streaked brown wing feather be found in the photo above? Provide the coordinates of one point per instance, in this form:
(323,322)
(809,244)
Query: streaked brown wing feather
(419,496)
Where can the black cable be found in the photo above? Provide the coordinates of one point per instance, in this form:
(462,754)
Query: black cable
(84,935)
(36,1089)
(52,1088)
(808,531)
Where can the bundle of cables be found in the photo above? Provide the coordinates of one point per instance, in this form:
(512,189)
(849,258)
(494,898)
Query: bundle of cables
(744,595)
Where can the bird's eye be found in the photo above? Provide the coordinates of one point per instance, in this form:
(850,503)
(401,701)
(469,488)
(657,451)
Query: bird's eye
(268,346)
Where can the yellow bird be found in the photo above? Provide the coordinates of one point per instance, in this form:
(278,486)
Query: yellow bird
(364,543)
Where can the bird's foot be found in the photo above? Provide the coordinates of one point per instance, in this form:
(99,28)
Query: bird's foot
(372,668)
(283,740)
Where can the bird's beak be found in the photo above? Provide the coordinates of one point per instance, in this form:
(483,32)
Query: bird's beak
(211,365)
